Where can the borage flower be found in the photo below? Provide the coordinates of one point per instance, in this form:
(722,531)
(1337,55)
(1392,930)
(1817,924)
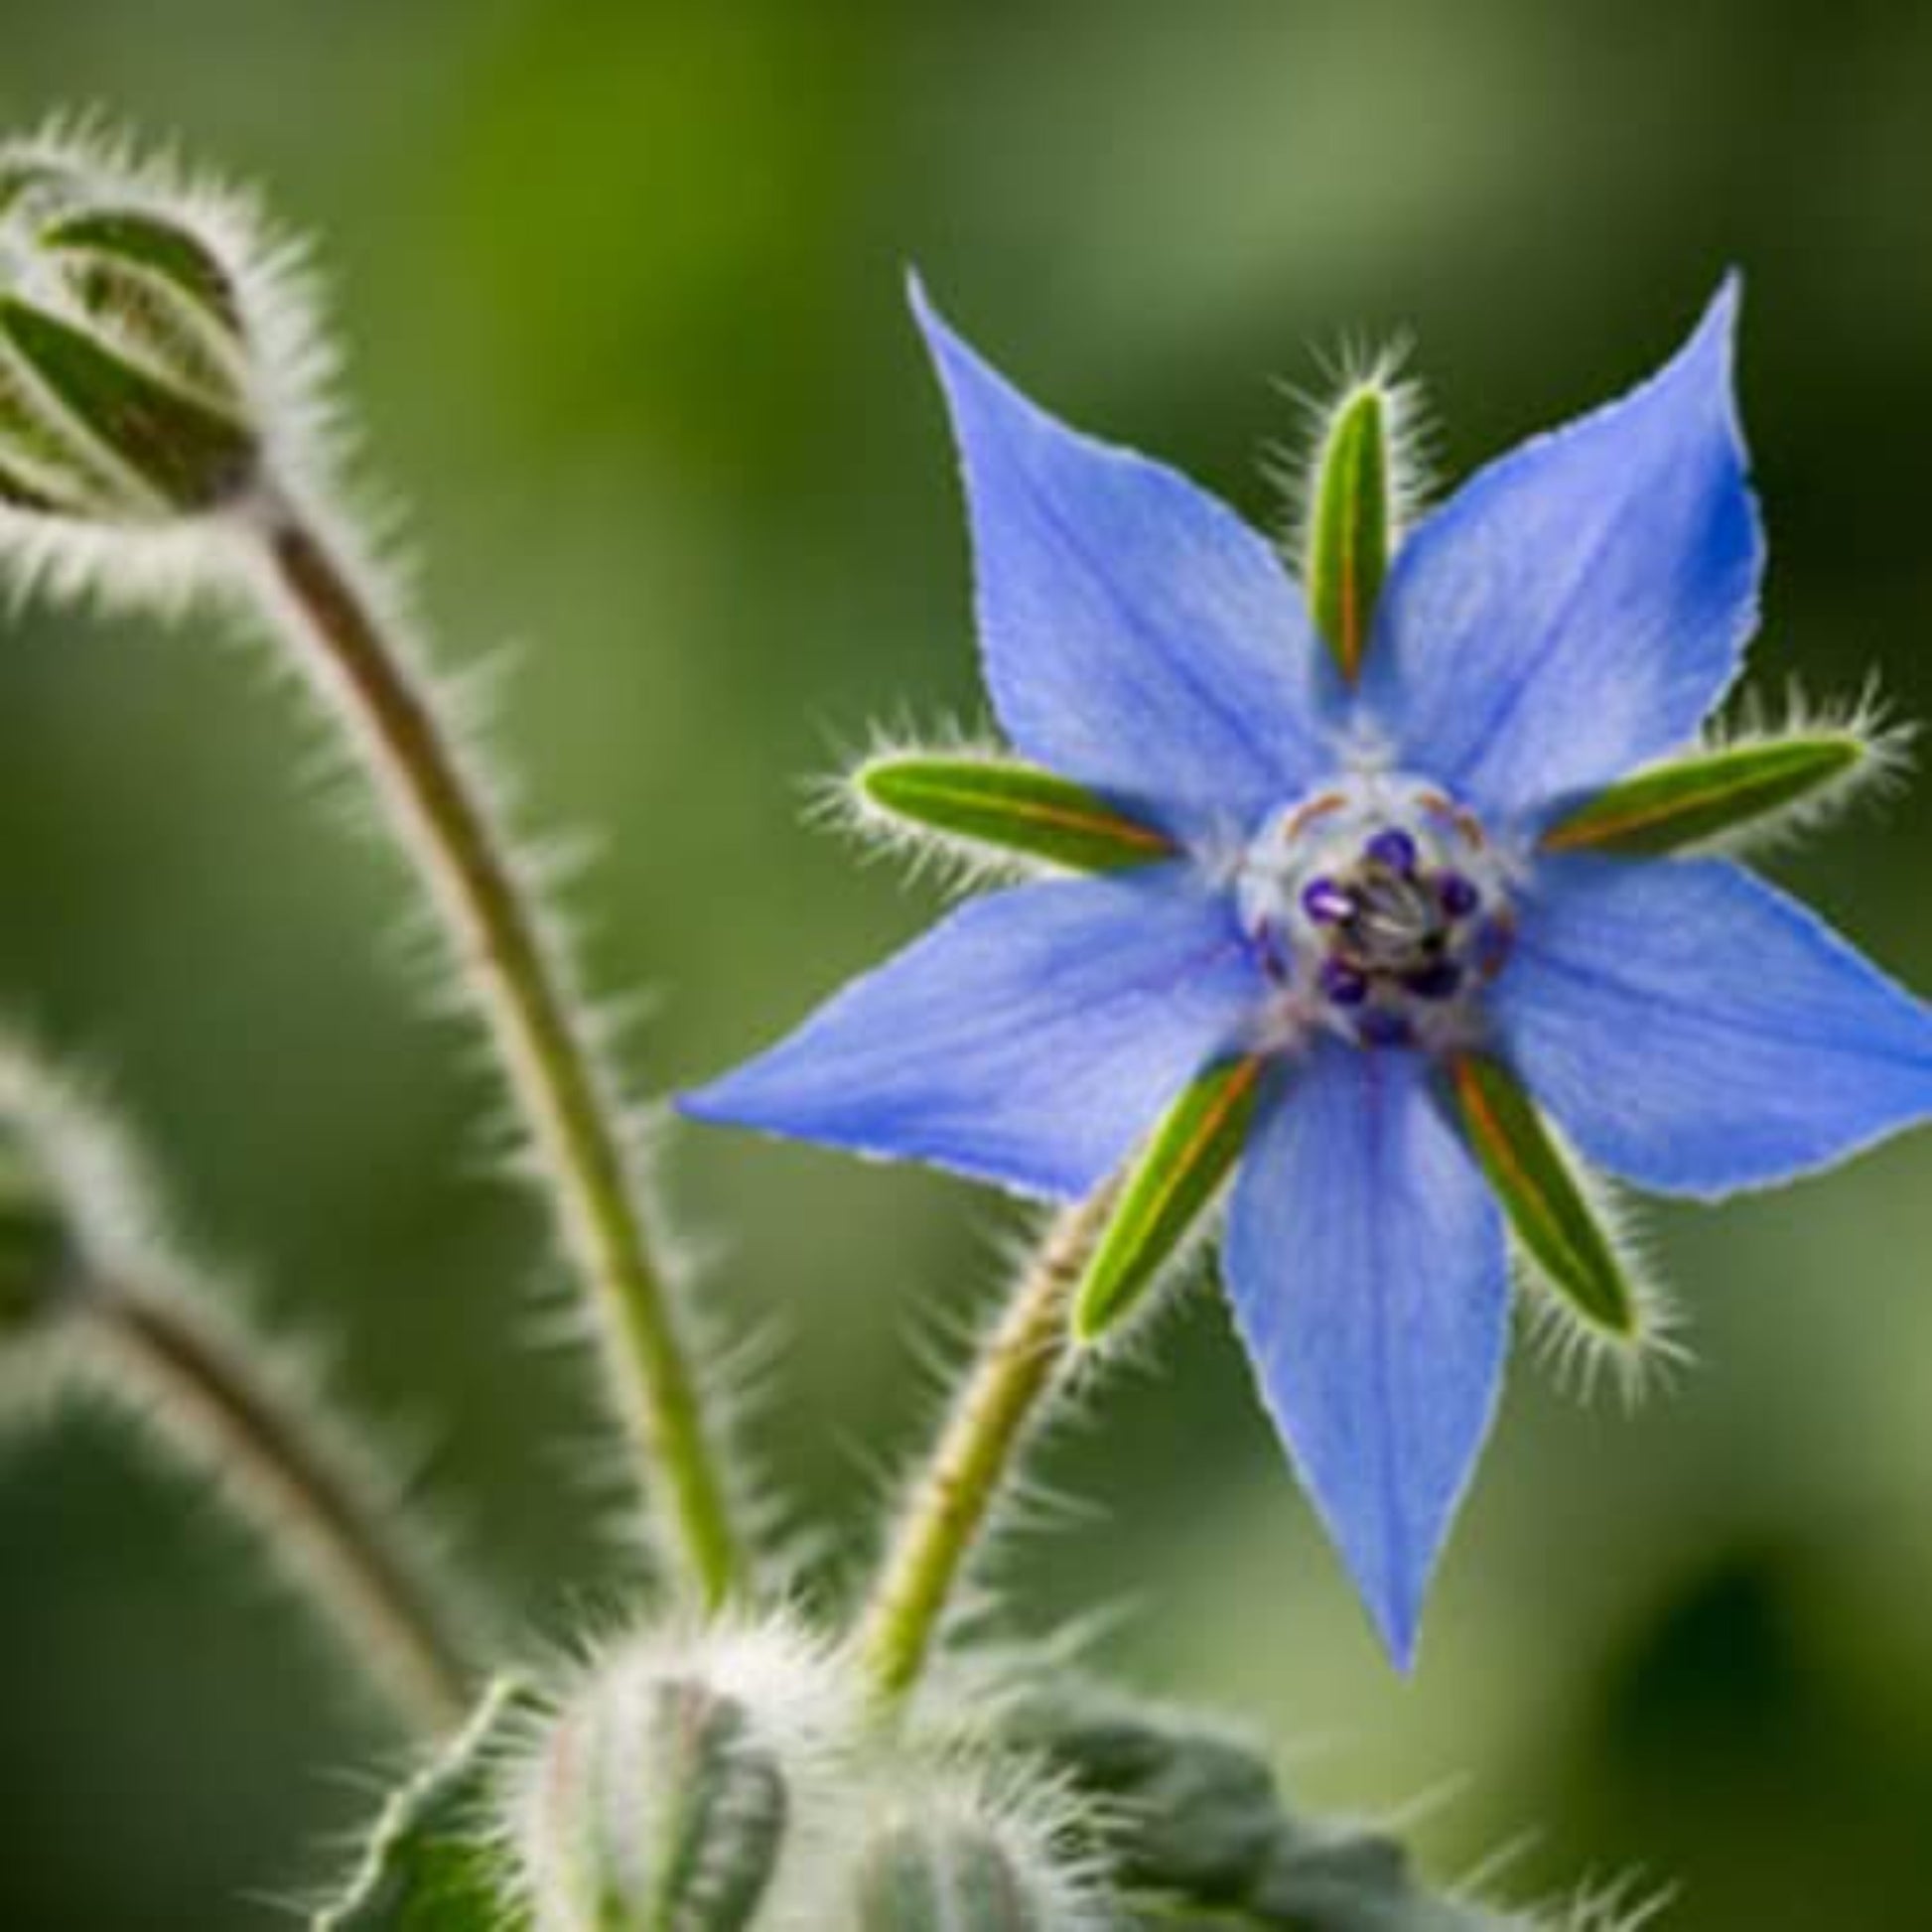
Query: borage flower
(1353,907)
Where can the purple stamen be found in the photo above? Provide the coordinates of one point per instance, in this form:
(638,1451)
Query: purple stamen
(1341,984)
(1440,981)
(1326,902)
(1457,896)
(1379,1026)
(1393,848)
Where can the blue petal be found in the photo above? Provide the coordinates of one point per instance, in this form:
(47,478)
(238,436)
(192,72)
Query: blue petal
(1696,1032)
(1030,1039)
(1580,606)
(1366,1264)
(1137,634)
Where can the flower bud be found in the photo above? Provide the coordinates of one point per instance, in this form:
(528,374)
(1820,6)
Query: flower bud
(668,1791)
(954,1856)
(126,376)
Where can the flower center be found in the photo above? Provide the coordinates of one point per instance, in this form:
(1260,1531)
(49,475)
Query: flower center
(1380,908)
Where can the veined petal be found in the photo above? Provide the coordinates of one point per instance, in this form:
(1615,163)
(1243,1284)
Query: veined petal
(1580,606)
(1366,1264)
(1030,1039)
(1697,1032)
(1136,635)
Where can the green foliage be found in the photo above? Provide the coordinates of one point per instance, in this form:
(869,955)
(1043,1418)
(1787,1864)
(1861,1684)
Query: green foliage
(1199,1835)
(434,1863)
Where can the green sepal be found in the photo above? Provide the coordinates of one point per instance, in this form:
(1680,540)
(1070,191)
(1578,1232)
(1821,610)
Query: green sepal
(1705,796)
(191,456)
(661,1805)
(1170,1184)
(153,246)
(1351,524)
(48,468)
(433,1862)
(148,319)
(1016,807)
(724,1811)
(1538,1193)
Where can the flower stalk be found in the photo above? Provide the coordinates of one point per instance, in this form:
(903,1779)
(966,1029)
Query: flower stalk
(94,1293)
(318,1506)
(993,1417)
(521,988)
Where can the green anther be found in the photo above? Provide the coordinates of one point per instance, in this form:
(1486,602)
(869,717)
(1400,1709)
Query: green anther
(1171,1185)
(1706,795)
(1351,525)
(1014,807)
(192,457)
(1539,1194)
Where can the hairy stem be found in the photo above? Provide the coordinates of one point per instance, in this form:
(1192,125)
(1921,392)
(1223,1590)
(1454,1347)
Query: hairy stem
(522,989)
(320,1506)
(953,1498)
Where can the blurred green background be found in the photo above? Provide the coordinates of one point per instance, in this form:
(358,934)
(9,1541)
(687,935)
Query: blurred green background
(622,288)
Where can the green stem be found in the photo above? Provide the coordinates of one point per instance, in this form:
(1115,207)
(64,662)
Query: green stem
(572,1117)
(992,1418)
(319,1507)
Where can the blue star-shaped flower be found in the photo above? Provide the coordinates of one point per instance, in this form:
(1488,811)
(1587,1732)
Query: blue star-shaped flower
(1359,889)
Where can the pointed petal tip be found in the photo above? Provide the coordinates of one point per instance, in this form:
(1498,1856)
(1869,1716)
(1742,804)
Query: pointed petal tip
(1379,1352)
(708,1105)
(1400,1634)
(1715,338)
(944,342)
(1024,1040)
(1395,1602)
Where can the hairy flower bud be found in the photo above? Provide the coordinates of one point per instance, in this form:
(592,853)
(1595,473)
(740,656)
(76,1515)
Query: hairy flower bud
(954,1853)
(127,378)
(673,1786)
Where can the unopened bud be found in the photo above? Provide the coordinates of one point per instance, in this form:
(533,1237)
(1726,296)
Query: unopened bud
(666,1793)
(125,363)
(950,1857)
